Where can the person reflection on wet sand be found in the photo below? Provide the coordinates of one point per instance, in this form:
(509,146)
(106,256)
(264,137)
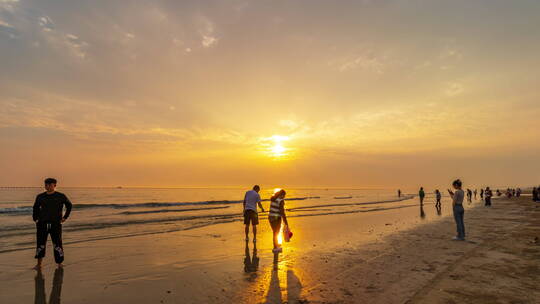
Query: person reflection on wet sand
(439,209)
(294,286)
(422,213)
(56,288)
(251,263)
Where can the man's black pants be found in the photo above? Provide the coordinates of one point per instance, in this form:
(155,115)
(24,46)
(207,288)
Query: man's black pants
(43,229)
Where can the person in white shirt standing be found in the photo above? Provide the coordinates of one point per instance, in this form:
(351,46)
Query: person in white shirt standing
(459,212)
(251,200)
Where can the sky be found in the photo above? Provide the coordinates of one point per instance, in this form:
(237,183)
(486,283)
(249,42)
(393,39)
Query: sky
(305,93)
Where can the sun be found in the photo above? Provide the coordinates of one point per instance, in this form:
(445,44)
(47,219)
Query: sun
(276,147)
(278,150)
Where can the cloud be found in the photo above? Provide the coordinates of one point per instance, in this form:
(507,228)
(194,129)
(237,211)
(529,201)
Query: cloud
(77,45)
(207,33)
(365,63)
(208,41)
(8,5)
(46,23)
(453,89)
(5,24)
(365,60)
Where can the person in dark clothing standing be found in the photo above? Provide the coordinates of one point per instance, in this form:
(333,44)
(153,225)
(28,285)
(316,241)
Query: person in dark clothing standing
(488,193)
(47,214)
(438,198)
(421,195)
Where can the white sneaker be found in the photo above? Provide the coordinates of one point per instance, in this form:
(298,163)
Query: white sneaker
(277,250)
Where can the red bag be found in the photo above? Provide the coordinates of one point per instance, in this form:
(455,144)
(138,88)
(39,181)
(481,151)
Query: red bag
(287,234)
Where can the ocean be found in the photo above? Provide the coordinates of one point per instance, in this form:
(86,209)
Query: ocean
(105,213)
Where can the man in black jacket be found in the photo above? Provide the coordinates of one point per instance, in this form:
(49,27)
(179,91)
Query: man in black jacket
(47,213)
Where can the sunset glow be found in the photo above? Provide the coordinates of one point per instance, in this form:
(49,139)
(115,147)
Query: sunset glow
(277,148)
(176,93)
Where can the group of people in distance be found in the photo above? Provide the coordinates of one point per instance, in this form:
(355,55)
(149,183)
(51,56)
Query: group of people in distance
(457,201)
(513,192)
(457,205)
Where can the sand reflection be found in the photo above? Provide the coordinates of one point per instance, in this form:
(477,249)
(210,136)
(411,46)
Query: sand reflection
(284,286)
(251,262)
(56,291)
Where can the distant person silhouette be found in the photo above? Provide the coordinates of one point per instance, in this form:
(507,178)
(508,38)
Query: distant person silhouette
(475,192)
(482,194)
(438,198)
(399,193)
(469,195)
(488,194)
(421,195)
(459,212)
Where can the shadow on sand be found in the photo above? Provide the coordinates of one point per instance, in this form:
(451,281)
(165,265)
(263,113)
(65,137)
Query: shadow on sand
(56,291)
(293,286)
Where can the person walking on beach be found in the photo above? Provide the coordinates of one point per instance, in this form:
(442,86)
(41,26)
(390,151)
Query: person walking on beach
(438,201)
(475,192)
(421,195)
(276,215)
(482,194)
(47,214)
(399,193)
(459,212)
(518,192)
(469,195)
(438,198)
(535,194)
(488,195)
(251,200)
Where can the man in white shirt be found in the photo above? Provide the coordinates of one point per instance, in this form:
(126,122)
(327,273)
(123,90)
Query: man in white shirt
(251,200)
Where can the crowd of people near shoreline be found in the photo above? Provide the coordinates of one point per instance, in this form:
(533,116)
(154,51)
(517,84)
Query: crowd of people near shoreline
(48,214)
(459,195)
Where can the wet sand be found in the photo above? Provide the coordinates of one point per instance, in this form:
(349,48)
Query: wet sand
(395,256)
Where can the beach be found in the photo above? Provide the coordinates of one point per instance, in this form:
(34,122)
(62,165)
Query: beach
(397,254)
